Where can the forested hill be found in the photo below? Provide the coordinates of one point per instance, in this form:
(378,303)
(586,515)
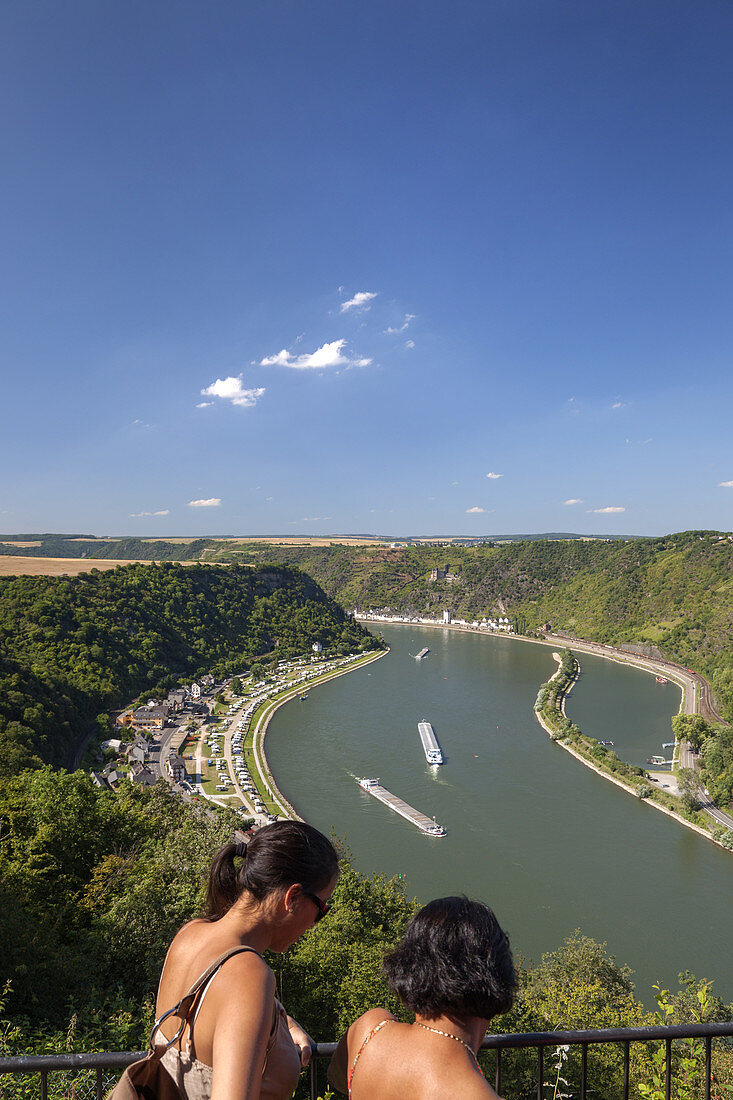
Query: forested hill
(72,648)
(674,594)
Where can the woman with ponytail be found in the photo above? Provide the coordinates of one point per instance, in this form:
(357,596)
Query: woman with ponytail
(236,1041)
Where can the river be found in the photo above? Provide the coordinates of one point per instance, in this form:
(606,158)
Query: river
(548,843)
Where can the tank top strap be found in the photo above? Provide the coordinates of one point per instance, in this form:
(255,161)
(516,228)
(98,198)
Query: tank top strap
(191,1001)
(369,1035)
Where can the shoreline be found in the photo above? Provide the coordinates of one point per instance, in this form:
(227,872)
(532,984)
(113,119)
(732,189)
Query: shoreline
(687,684)
(259,733)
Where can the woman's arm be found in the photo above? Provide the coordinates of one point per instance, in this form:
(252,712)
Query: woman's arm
(302,1040)
(243,1007)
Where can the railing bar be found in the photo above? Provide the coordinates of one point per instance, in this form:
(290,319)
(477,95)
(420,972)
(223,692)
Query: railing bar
(708,1065)
(583,1070)
(44,1085)
(497,1080)
(540,1071)
(668,1070)
(627,1062)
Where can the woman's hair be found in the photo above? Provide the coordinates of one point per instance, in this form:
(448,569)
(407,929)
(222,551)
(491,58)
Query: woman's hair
(453,960)
(277,856)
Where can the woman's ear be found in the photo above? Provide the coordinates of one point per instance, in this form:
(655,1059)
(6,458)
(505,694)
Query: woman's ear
(291,894)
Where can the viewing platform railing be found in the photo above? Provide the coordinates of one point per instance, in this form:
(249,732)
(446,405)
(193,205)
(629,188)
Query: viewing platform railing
(91,1076)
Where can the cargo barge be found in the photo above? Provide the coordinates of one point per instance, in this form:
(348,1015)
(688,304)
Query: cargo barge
(424,823)
(430,745)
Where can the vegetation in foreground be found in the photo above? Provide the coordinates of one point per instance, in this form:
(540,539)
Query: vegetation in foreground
(93,885)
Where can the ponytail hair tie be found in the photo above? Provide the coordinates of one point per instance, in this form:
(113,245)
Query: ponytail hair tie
(240,849)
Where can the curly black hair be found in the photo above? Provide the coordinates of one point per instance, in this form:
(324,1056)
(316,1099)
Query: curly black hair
(454,960)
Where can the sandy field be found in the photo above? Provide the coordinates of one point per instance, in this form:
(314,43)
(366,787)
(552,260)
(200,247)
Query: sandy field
(55,567)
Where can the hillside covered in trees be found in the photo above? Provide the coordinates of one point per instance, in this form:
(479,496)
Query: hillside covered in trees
(673,594)
(73,648)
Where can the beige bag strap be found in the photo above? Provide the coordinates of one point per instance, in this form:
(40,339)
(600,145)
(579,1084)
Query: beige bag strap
(183,1009)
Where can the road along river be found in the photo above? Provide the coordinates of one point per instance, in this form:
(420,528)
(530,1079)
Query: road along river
(550,844)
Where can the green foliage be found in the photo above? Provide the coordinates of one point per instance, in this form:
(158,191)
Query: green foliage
(693,1004)
(76,647)
(93,885)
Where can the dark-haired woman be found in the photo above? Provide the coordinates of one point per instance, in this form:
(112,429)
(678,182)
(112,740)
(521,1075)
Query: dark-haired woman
(239,1044)
(454,970)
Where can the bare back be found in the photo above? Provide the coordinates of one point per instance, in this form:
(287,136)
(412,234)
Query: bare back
(399,1061)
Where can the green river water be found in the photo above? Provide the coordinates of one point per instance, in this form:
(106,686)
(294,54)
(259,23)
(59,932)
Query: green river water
(548,843)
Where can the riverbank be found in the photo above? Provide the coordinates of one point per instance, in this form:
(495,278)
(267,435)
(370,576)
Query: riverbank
(687,681)
(595,767)
(259,732)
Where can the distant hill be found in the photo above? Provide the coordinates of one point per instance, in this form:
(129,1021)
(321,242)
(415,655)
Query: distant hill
(673,595)
(73,648)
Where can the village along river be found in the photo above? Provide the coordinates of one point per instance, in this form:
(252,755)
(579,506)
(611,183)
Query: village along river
(551,845)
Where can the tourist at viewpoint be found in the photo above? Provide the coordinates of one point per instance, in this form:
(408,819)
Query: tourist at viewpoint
(454,970)
(238,1040)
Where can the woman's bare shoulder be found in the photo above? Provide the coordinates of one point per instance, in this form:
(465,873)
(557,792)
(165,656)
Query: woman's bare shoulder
(367,1022)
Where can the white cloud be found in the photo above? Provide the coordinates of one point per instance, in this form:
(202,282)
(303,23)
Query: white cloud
(474,510)
(360,300)
(604,511)
(573,500)
(725,484)
(162,512)
(328,355)
(210,502)
(619,405)
(395,331)
(231,389)
(204,404)
(409,343)
(494,477)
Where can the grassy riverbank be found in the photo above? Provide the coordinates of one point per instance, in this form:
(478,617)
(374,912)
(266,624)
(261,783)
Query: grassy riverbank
(550,713)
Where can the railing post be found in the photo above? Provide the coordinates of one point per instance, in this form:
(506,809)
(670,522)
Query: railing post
(314,1079)
(668,1070)
(44,1085)
(497,1084)
(540,1071)
(708,1065)
(627,1062)
(583,1070)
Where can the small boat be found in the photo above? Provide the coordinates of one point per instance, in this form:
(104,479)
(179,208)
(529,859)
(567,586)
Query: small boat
(303,697)
(662,680)
(656,760)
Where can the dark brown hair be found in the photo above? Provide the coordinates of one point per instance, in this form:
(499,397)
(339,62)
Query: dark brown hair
(277,856)
(454,960)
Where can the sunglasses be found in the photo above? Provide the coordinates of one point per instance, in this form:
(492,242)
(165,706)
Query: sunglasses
(322,906)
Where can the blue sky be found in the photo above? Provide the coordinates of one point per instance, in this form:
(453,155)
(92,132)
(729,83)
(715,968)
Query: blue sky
(325,267)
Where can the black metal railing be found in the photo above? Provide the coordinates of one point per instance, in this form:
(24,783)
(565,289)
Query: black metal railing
(91,1076)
